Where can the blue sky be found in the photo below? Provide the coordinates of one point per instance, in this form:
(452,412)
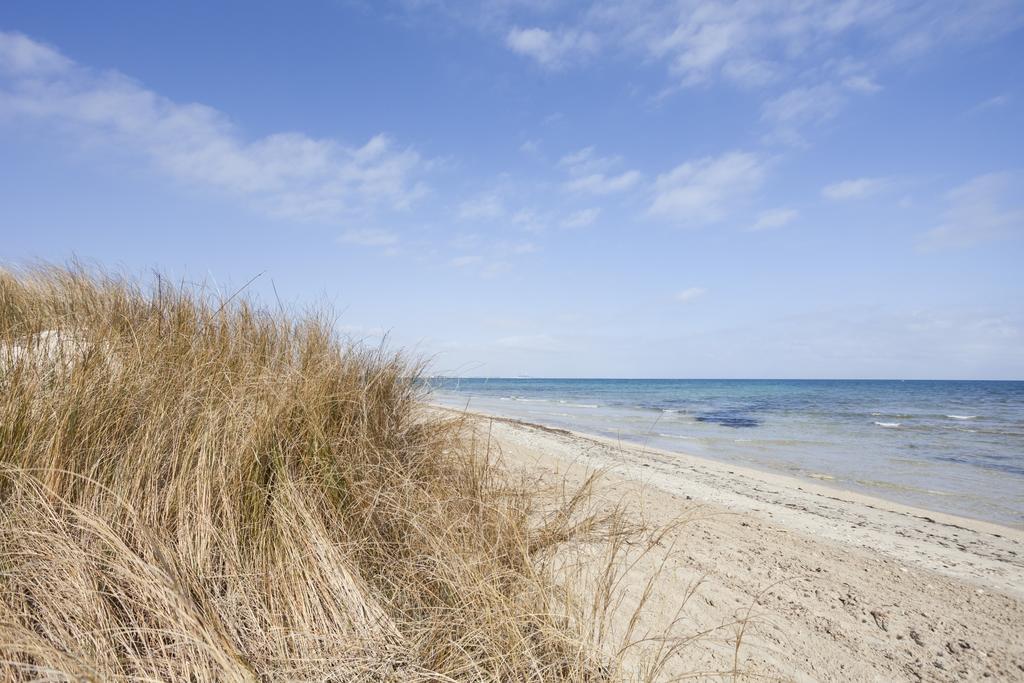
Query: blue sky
(532,187)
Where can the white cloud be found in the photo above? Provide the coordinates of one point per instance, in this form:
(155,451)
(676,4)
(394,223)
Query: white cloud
(485,207)
(775,218)
(857,188)
(529,221)
(531,148)
(799,107)
(689,294)
(586,161)
(287,174)
(751,72)
(599,183)
(862,83)
(754,43)
(581,218)
(701,191)
(804,46)
(991,103)
(593,174)
(20,55)
(552,50)
(369,237)
(987,208)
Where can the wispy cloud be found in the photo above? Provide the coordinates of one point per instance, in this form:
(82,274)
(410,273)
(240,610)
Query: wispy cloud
(286,174)
(689,294)
(756,43)
(586,161)
(484,207)
(552,49)
(862,83)
(991,103)
(989,207)
(531,148)
(488,259)
(593,174)
(774,218)
(599,183)
(701,191)
(529,220)
(580,219)
(799,107)
(813,55)
(856,188)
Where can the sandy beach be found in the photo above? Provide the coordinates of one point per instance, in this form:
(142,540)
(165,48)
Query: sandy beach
(838,586)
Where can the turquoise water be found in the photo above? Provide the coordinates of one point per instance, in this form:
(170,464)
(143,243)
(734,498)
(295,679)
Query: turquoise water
(955,447)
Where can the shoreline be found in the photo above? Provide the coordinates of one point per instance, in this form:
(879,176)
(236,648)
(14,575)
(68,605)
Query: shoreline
(844,586)
(811,484)
(986,553)
(955,450)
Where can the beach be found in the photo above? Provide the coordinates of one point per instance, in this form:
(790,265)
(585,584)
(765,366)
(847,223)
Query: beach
(831,584)
(956,447)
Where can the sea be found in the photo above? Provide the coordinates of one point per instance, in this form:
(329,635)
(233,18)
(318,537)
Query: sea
(950,446)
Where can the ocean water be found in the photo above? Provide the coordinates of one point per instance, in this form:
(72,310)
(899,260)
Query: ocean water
(950,446)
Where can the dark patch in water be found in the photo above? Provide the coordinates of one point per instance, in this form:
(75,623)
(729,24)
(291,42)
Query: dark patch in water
(729,419)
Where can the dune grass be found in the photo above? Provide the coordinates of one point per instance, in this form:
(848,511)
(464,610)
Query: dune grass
(194,488)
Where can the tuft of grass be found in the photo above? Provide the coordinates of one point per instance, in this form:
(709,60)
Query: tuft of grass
(195,488)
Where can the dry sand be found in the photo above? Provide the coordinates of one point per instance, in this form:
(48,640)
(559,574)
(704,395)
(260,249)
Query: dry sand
(839,586)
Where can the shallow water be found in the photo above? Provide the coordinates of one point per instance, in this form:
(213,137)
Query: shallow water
(955,447)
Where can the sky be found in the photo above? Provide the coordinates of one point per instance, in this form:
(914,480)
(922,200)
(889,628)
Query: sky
(617,188)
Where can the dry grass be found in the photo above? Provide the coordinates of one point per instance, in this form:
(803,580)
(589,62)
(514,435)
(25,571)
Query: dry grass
(194,489)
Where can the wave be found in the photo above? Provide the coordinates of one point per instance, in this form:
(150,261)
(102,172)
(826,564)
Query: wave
(962,417)
(889,425)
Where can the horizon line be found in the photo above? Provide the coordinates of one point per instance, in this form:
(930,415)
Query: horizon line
(727,379)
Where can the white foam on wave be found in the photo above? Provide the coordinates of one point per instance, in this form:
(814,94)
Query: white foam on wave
(889,425)
(961,417)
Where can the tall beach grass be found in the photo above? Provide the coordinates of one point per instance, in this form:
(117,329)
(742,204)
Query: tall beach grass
(197,488)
